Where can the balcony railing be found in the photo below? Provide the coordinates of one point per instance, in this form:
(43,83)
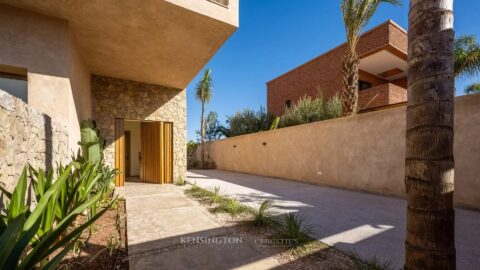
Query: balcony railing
(223,3)
(381,96)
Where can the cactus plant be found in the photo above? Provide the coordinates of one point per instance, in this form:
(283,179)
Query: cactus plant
(92,142)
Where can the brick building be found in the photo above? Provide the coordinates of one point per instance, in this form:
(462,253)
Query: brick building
(383,78)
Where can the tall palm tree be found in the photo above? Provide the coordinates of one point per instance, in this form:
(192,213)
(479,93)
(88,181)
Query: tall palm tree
(204,94)
(429,163)
(467,60)
(356,15)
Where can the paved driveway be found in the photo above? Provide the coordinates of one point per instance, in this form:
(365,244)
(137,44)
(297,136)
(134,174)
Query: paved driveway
(371,225)
(162,226)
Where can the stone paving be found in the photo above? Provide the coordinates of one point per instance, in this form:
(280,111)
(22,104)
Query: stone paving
(371,225)
(158,216)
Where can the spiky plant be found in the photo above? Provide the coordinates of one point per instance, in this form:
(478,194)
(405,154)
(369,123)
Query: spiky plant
(356,15)
(373,263)
(294,227)
(262,213)
(29,237)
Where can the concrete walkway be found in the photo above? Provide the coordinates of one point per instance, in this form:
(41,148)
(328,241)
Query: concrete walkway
(369,224)
(162,225)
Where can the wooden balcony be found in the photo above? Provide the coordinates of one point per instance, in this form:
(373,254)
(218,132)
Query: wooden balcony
(381,96)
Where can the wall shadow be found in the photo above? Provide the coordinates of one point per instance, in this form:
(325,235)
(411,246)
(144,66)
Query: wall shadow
(48,142)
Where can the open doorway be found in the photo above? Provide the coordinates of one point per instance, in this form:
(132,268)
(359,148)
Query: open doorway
(143,151)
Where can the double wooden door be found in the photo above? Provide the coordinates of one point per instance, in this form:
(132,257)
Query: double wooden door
(156,152)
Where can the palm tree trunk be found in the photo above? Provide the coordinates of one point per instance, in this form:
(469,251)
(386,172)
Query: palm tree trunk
(202,134)
(429,163)
(350,82)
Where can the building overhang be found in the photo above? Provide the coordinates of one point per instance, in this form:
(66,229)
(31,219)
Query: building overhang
(164,42)
(387,63)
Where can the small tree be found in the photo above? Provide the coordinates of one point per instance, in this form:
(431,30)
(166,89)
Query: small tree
(204,94)
(212,127)
(247,121)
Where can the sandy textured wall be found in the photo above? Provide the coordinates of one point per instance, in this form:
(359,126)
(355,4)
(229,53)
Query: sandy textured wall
(58,80)
(363,152)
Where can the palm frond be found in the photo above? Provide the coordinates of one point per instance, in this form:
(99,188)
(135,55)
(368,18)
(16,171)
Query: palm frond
(204,87)
(473,88)
(356,15)
(467,56)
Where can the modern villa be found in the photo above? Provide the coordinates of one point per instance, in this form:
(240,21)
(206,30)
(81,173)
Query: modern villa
(124,64)
(383,78)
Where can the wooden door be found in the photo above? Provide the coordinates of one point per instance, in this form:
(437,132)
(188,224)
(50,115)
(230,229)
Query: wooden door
(119,152)
(150,167)
(127,154)
(167,152)
(156,164)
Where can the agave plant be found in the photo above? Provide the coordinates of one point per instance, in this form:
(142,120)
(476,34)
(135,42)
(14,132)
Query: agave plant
(29,237)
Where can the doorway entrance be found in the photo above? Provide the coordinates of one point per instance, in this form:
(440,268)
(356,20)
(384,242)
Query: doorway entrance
(143,151)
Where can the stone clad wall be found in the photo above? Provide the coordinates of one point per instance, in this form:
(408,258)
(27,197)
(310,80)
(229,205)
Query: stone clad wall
(28,136)
(117,98)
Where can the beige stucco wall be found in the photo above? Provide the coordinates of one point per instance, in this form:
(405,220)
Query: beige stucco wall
(58,81)
(362,152)
(211,9)
(117,98)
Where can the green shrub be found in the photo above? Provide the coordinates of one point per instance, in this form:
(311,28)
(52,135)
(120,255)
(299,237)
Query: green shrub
(295,228)
(309,109)
(197,192)
(28,238)
(247,121)
(262,214)
(191,147)
(232,207)
(180,181)
(215,196)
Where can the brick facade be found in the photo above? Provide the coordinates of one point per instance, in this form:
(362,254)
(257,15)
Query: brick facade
(324,74)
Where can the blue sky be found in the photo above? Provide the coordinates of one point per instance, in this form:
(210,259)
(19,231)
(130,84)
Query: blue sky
(277,35)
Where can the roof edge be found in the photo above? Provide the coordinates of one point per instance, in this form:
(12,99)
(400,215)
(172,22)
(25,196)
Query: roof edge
(387,22)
